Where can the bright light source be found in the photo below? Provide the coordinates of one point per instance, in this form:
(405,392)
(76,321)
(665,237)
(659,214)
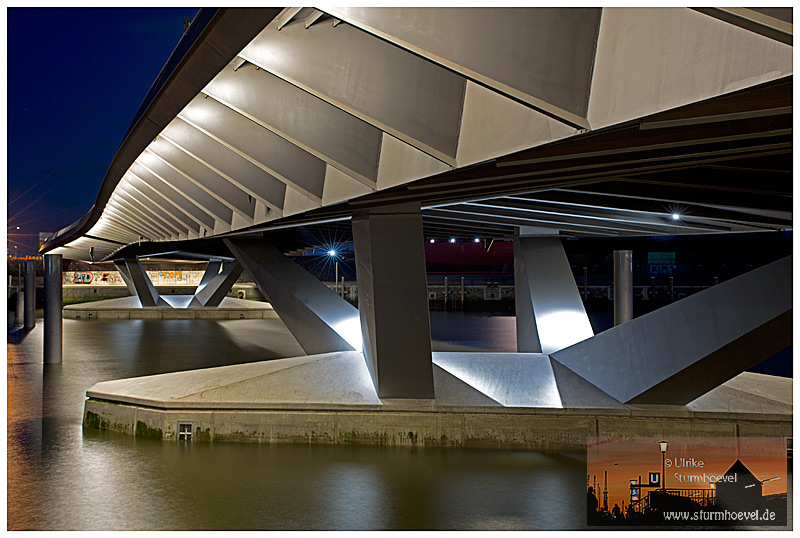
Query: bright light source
(675,216)
(477,240)
(331,253)
(432,241)
(452,239)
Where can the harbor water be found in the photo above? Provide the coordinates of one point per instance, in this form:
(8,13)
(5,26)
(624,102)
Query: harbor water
(61,477)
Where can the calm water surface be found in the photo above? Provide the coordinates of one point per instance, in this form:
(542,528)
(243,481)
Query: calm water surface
(62,478)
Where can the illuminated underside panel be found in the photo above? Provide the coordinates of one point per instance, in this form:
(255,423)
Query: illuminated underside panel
(591,122)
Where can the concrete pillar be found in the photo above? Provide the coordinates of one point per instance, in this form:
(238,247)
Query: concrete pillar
(30,295)
(53,304)
(19,312)
(623,286)
(462,293)
(393,300)
(585,284)
(550,313)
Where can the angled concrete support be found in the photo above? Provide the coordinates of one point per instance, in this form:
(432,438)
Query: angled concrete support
(317,317)
(550,313)
(30,295)
(681,351)
(125,274)
(53,303)
(393,300)
(215,283)
(138,282)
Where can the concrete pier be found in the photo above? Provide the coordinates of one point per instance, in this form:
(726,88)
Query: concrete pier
(129,308)
(330,399)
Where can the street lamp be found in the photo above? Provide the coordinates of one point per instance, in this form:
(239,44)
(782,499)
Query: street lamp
(663,445)
(332,254)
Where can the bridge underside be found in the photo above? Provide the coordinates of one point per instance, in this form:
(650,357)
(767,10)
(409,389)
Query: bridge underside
(387,128)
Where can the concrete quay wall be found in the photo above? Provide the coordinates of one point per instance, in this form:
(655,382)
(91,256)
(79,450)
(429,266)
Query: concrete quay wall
(395,425)
(87,313)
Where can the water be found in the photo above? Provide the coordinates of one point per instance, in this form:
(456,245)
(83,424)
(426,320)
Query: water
(62,478)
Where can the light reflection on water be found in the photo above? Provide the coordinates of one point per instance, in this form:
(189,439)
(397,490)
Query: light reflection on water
(61,478)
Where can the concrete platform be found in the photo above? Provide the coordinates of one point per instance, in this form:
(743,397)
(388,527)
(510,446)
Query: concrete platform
(500,400)
(131,308)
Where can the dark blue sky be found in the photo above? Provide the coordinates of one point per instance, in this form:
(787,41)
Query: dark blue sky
(75,80)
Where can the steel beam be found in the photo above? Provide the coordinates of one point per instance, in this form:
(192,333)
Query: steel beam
(176,180)
(256,182)
(316,126)
(204,177)
(275,155)
(407,96)
(118,210)
(145,195)
(550,313)
(393,300)
(178,199)
(148,209)
(475,43)
(133,223)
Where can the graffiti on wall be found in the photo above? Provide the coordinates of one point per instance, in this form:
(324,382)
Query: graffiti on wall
(113,278)
(103,278)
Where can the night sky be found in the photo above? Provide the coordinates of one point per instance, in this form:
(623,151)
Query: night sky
(76,78)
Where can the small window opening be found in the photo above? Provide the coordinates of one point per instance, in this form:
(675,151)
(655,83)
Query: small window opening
(184,431)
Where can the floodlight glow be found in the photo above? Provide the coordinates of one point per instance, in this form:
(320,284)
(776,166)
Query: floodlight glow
(477,240)
(432,241)
(331,253)
(560,328)
(675,216)
(350,331)
(452,239)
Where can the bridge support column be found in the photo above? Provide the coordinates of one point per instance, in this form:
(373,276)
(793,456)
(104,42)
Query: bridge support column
(19,311)
(550,313)
(139,283)
(126,275)
(53,304)
(320,320)
(30,295)
(215,283)
(393,300)
(623,286)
